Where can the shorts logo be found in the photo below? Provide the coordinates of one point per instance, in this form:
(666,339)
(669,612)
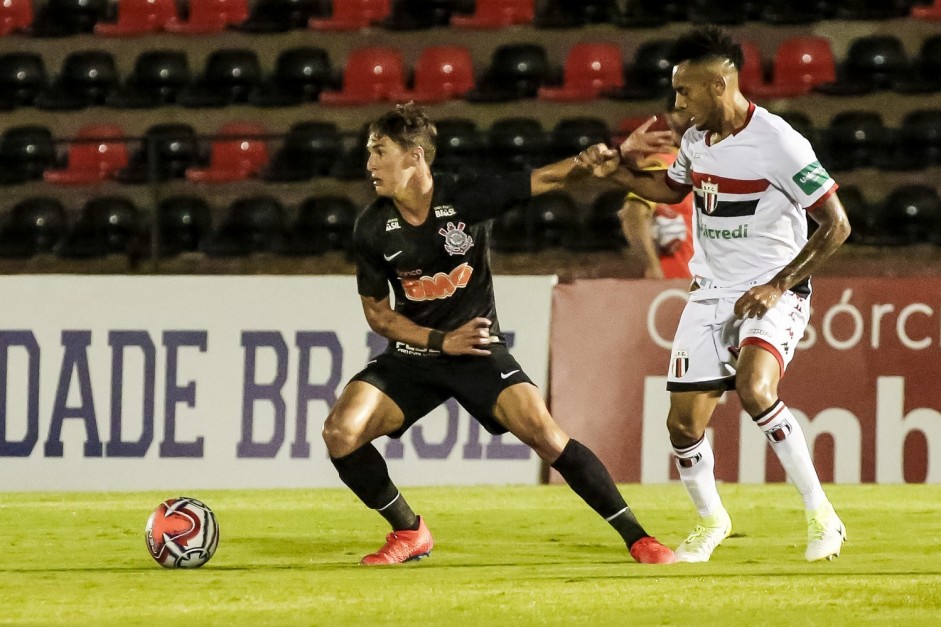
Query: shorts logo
(456,241)
(709,192)
(680,363)
(811,178)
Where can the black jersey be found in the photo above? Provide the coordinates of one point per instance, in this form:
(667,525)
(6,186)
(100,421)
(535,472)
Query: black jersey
(440,270)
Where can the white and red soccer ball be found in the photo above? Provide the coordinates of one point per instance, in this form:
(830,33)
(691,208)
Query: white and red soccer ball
(182,533)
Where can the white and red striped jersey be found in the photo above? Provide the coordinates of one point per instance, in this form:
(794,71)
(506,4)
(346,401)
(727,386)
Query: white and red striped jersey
(751,191)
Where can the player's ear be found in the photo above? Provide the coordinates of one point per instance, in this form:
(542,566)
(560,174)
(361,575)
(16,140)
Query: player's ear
(418,153)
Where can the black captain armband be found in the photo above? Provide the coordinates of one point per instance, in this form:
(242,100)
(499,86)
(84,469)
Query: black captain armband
(436,340)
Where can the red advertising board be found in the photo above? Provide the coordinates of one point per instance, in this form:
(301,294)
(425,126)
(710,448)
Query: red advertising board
(863,383)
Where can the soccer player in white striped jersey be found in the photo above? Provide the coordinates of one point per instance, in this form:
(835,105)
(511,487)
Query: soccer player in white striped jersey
(754,180)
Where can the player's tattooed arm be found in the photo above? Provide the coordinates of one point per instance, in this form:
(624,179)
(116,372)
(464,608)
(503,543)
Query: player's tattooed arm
(471,338)
(833,231)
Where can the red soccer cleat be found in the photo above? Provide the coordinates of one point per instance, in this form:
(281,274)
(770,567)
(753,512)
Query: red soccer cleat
(404,546)
(648,550)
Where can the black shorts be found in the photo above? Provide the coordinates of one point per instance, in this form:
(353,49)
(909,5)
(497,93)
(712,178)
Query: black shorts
(419,384)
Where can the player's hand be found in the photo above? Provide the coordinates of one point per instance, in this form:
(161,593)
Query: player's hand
(471,338)
(757,301)
(644,142)
(598,159)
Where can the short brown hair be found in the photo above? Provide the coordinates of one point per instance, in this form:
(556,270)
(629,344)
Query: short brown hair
(408,125)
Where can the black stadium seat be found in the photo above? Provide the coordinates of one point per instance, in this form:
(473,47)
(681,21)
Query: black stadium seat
(183,222)
(572,135)
(279,16)
(254,224)
(910,214)
(877,62)
(34,226)
(63,18)
(299,76)
(157,80)
(166,152)
(516,71)
(22,78)
(229,76)
(87,78)
(323,223)
(310,149)
(517,144)
(856,139)
(25,153)
(460,145)
(107,225)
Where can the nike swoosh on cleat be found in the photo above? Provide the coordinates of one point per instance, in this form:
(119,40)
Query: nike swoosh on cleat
(507,375)
(392,256)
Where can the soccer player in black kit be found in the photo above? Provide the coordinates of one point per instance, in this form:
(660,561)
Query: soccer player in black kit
(427,235)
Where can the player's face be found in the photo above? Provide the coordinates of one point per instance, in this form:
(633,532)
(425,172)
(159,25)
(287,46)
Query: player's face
(389,165)
(696,95)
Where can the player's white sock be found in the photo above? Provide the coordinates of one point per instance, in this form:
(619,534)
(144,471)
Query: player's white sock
(696,465)
(787,441)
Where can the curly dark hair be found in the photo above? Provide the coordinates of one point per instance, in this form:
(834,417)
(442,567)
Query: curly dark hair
(704,43)
(408,125)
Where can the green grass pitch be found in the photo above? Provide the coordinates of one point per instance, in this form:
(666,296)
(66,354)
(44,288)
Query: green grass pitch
(503,556)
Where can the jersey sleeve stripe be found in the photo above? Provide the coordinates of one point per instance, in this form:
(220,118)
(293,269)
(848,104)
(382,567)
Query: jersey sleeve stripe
(819,202)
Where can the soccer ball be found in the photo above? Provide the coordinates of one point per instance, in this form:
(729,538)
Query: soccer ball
(182,533)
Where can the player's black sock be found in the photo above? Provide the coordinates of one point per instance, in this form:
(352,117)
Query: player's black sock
(365,472)
(588,477)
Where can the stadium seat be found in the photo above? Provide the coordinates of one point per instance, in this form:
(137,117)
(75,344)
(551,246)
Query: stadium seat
(229,77)
(323,223)
(25,153)
(717,11)
(255,224)
(210,16)
(459,145)
(96,154)
(601,229)
(910,214)
(238,152)
(572,135)
(918,144)
(63,18)
(279,16)
(517,144)
(166,152)
(926,69)
(372,74)
(15,16)
(352,163)
(299,76)
(515,231)
(183,222)
(138,17)
(494,14)
(34,226)
(107,225)
(516,71)
(353,15)
(555,220)
(573,13)
(751,76)
(158,78)
(310,149)
(441,73)
(408,15)
(650,75)
(591,70)
(931,12)
(22,78)
(800,64)
(781,12)
(859,212)
(87,78)
(872,63)
(856,139)
(870,10)
(644,14)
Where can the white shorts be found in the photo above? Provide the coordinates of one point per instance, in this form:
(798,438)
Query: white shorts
(709,336)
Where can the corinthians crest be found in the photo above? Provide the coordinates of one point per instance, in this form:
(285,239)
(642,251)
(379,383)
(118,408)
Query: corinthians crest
(456,241)
(710,196)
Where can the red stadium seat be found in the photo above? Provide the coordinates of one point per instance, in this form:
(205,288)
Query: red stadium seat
(931,13)
(139,17)
(15,15)
(210,16)
(239,152)
(800,64)
(98,155)
(496,14)
(441,73)
(353,15)
(751,78)
(372,74)
(590,70)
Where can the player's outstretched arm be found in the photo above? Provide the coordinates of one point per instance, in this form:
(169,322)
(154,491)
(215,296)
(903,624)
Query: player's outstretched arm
(833,231)
(642,142)
(472,338)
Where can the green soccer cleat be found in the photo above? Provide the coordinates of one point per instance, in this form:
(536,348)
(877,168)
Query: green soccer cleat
(708,534)
(825,534)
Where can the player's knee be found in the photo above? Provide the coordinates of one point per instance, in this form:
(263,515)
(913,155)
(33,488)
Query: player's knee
(756,393)
(339,437)
(682,430)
